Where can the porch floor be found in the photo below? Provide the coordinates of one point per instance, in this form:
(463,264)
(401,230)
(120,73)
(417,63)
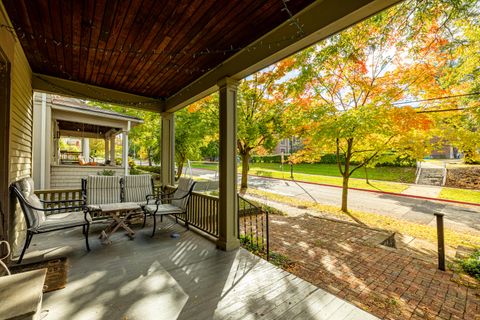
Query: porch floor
(183,278)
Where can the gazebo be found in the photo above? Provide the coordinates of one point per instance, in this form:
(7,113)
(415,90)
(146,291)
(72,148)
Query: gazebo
(56,118)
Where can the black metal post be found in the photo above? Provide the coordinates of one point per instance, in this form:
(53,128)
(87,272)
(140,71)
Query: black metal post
(291,170)
(441,241)
(268,237)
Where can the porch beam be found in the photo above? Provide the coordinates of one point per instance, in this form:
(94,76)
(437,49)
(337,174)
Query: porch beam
(168,149)
(49,84)
(228,202)
(318,21)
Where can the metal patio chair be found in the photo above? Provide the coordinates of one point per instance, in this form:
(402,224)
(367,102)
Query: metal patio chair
(38,221)
(178,203)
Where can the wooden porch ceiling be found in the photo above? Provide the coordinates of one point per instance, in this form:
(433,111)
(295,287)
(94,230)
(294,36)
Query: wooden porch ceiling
(150,48)
(163,55)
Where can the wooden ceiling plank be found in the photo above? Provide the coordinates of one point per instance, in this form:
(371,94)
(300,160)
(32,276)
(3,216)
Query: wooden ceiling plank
(243,10)
(43,51)
(19,17)
(48,54)
(178,39)
(120,14)
(259,15)
(109,17)
(238,13)
(95,37)
(140,30)
(65,9)
(120,43)
(157,43)
(76,16)
(153,26)
(170,21)
(86,27)
(55,16)
(44,10)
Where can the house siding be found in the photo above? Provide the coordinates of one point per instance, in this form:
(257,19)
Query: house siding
(20,126)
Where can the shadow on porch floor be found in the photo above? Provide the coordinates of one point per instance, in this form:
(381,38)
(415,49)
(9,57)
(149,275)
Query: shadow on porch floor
(184,278)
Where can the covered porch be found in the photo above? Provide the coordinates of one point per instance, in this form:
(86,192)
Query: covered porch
(161,59)
(184,278)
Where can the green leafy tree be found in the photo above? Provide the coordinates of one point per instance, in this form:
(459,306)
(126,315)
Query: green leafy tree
(260,105)
(195,128)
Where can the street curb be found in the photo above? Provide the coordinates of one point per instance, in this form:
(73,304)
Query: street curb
(367,190)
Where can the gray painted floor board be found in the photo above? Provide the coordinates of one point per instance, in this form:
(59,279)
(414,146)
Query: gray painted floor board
(167,278)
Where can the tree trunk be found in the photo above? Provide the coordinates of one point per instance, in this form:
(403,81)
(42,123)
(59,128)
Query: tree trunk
(345,193)
(149,155)
(346,175)
(366,175)
(179,169)
(245,168)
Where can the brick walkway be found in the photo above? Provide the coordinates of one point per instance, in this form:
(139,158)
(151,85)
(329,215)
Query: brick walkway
(390,283)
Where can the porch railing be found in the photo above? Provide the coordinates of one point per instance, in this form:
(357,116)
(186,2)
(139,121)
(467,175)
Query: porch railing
(253,227)
(202,212)
(75,195)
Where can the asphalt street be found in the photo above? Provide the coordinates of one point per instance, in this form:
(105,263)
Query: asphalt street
(457,217)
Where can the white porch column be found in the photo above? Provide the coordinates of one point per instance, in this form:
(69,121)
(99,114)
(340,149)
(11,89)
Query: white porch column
(167,160)
(107,149)
(86,149)
(112,149)
(125,151)
(228,202)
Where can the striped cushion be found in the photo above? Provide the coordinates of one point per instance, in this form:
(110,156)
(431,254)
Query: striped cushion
(35,217)
(103,189)
(163,209)
(137,188)
(184,186)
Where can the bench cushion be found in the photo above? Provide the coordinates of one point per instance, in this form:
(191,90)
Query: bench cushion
(63,220)
(122,206)
(163,209)
(26,188)
(137,187)
(103,189)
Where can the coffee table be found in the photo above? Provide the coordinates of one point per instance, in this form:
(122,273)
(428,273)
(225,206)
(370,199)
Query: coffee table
(119,212)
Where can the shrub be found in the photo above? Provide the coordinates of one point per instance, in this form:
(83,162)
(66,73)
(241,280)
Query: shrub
(106,172)
(471,265)
(134,171)
(154,169)
(276,158)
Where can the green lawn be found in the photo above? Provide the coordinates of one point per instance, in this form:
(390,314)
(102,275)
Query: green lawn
(395,174)
(328,174)
(460,195)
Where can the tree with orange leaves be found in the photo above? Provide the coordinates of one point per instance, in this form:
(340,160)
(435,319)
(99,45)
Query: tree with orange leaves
(350,88)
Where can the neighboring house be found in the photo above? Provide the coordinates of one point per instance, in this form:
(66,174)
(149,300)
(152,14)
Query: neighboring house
(57,118)
(288,146)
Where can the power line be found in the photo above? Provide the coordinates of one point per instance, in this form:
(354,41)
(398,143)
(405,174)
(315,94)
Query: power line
(443,110)
(438,98)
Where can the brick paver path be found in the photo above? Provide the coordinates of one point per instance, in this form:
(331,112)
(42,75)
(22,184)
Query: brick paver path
(392,284)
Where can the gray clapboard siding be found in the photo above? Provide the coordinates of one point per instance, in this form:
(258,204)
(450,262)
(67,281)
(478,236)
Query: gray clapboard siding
(20,127)
(70,177)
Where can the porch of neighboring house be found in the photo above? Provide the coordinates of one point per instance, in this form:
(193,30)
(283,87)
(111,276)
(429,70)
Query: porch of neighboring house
(177,54)
(62,130)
